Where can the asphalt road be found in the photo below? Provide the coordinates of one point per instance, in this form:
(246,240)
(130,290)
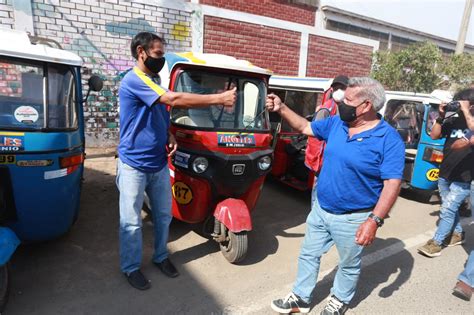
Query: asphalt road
(79,273)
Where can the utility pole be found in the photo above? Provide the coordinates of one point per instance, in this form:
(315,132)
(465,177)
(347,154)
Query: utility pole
(464,26)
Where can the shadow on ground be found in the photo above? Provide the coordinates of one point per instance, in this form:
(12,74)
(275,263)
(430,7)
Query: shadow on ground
(385,276)
(79,272)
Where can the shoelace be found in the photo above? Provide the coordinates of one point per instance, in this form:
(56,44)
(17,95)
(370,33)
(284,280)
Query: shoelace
(334,305)
(291,297)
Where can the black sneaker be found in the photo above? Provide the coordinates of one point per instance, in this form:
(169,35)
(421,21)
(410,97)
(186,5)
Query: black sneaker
(167,268)
(138,280)
(290,304)
(334,307)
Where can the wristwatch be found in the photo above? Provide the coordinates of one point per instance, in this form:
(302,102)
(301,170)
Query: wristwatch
(439,120)
(378,220)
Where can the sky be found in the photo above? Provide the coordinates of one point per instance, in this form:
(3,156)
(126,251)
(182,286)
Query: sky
(437,17)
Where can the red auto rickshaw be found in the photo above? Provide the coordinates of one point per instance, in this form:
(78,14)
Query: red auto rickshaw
(302,95)
(223,154)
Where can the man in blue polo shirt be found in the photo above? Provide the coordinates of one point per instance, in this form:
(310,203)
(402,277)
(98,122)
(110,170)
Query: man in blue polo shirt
(142,164)
(359,182)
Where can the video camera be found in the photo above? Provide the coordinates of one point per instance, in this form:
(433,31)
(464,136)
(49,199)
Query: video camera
(452,106)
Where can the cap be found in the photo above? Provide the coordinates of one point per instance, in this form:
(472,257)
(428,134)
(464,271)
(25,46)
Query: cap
(341,79)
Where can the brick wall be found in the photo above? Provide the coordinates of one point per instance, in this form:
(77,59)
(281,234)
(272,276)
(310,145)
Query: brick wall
(329,57)
(278,9)
(266,47)
(6,14)
(100,32)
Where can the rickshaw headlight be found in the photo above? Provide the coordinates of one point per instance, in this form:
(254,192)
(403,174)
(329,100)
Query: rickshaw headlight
(264,163)
(200,165)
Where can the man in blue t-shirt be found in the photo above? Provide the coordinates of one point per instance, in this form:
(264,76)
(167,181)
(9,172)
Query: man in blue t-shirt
(142,164)
(359,182)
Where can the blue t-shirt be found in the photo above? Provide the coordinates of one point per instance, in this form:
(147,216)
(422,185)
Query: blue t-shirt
(143,123)
(354,168)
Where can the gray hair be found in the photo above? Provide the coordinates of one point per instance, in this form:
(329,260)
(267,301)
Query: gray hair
(370,89)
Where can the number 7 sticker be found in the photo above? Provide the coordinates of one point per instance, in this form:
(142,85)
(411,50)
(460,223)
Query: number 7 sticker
(182,193)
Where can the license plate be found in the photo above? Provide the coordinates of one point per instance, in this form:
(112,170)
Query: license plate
(7,159)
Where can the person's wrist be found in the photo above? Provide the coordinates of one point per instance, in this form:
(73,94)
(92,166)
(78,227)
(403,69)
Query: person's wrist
(281,108)
(376,219)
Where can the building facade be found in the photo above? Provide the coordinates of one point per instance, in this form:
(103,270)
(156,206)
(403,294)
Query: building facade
(282,35)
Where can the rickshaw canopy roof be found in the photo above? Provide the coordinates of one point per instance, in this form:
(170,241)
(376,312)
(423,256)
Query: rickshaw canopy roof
(18,44)
(305,84)
(213,61)
(433,98)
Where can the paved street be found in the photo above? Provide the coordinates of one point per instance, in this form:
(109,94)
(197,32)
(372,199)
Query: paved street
(79,274)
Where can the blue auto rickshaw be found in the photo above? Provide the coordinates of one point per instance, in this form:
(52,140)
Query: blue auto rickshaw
(41,143)
(413,115)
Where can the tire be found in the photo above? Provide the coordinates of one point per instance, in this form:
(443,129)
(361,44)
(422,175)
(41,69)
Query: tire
(235,248)
(4,286)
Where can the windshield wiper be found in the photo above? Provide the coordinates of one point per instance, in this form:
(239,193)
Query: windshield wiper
(257,116)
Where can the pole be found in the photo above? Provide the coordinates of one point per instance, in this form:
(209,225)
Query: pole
(464,26)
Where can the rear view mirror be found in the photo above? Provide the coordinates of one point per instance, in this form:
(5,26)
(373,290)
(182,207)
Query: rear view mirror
(95,83)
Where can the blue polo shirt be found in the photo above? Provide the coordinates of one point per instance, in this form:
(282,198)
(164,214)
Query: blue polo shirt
(143,122)
(354,168)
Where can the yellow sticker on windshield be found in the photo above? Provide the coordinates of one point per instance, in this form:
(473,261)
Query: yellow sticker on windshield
(432,174)
(182,193)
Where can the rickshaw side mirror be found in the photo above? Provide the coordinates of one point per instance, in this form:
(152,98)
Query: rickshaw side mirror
(95,83)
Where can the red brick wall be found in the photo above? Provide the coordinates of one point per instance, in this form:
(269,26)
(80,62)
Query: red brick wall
(279,9)
(266,47)
(330,57)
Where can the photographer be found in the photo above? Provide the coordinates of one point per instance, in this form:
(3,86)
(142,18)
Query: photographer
(456,171)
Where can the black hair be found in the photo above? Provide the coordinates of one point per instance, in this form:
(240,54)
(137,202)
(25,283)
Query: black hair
(144,39)
(465,95)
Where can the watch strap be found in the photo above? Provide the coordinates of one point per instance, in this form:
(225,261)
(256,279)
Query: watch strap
(378,220)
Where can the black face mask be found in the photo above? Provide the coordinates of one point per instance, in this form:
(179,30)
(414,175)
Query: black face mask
(154,64)
(347,113)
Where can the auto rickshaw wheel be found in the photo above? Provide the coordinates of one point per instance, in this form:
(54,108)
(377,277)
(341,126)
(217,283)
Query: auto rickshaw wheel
(234,248)
(4,286)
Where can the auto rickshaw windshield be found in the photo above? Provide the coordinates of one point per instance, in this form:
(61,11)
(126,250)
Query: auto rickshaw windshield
(248,113)
(31,91)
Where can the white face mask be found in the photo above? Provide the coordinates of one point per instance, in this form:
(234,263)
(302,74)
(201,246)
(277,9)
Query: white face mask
(338,95)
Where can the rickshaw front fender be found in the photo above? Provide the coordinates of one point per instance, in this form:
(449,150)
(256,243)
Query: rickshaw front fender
(234,214)
(8,244)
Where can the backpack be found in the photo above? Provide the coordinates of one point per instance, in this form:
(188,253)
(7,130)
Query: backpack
(315,147)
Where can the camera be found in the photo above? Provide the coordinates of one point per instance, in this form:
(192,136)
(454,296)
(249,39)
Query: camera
(452,106)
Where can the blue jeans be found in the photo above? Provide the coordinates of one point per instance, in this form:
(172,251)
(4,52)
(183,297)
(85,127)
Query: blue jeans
(467,276)
(132,185)
(452,196)
(323,230)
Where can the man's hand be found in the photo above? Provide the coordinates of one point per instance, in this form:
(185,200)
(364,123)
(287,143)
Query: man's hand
(464,106)
(441,110)
(273,103)
(229,97)
(366,233)
(172,145)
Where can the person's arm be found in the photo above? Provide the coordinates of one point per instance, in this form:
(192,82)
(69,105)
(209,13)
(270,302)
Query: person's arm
(464,142)
(467,113)
(437,130)
(188,100)
(366,233)
(298,123)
